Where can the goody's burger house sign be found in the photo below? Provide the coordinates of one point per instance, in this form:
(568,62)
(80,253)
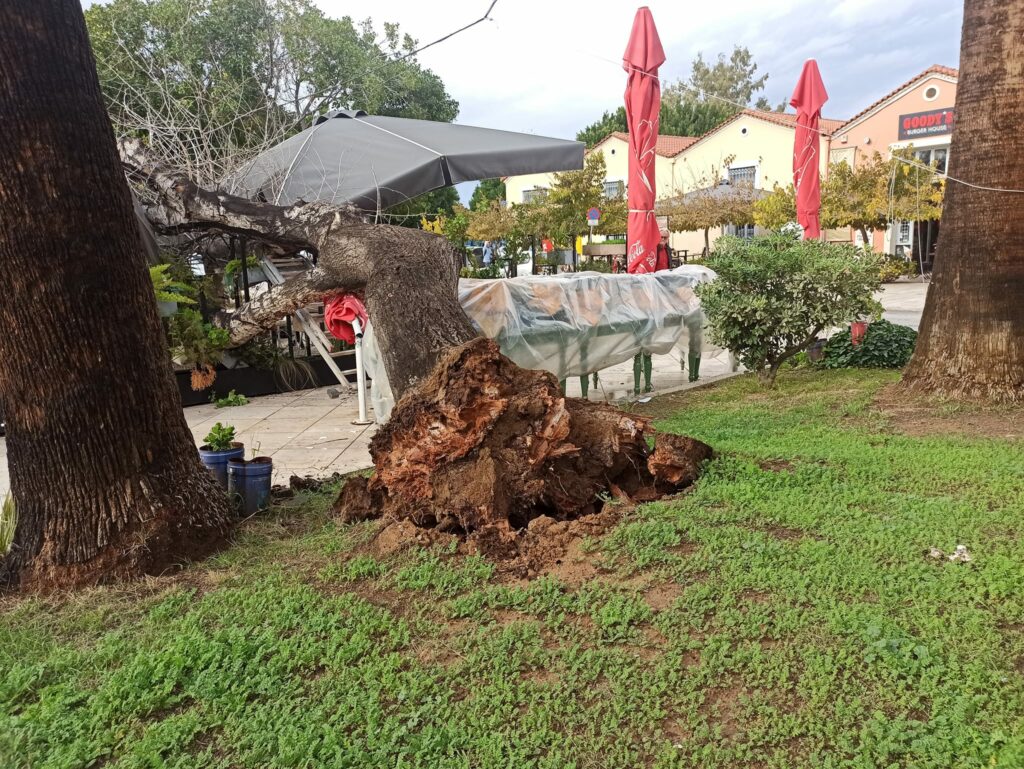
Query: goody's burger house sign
(931,123)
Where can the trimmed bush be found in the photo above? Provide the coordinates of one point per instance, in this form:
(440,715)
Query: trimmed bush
(885,345)
(774,295)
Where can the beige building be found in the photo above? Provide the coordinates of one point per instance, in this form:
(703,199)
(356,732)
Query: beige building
(615,148)
(752,146)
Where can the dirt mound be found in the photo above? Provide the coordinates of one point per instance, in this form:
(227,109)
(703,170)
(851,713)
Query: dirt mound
(483,448)
(917,415)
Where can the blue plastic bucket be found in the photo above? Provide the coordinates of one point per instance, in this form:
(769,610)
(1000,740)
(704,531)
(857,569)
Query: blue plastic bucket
(249,484)
(217,461)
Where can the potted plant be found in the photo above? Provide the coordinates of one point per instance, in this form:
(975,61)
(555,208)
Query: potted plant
(199,345)
(249,483)
(169,292)
(219,449)
(253,270)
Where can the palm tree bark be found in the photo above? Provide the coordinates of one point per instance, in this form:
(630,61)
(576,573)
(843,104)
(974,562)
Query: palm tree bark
(972,332)
(103,468)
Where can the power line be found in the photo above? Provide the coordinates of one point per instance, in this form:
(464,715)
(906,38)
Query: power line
(483,18)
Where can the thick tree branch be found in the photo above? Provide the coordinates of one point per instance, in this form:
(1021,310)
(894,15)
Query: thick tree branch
(408,277)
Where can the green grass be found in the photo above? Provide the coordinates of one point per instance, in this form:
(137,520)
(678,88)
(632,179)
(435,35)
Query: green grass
(785,613)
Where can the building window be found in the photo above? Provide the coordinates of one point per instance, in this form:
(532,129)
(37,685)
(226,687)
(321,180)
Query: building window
(931,93)
(933,157)
(743,175)
(535,195)
(744,231)
(614,190)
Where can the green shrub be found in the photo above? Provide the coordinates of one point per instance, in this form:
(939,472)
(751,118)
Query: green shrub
(231,399)
(774,295)
(894,268)
(885,345)
(220,437)
(198,344)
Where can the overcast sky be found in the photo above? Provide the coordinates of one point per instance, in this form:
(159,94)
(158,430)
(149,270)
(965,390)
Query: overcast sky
(552,66)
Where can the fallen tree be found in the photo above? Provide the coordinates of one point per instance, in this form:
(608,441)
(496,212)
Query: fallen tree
(475,442)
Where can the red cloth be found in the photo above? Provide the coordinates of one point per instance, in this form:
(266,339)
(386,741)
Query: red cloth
(641,60)
(339,312)
(661,259)
(808,98)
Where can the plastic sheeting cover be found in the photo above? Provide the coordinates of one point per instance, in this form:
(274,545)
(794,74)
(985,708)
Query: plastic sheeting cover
(574,323)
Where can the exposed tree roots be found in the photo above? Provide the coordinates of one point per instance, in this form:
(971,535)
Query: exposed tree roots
(482,446)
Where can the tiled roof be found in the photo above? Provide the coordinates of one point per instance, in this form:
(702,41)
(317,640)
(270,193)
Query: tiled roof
(667,146)
(935,69)
(827,125)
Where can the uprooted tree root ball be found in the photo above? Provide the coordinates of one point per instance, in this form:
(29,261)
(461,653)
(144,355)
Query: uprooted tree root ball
(483,447)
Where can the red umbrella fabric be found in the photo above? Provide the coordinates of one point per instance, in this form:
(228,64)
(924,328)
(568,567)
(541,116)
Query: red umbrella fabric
(808,98)
(339,312)
(643,56)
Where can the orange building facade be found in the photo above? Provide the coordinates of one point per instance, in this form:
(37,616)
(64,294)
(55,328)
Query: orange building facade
(920,113)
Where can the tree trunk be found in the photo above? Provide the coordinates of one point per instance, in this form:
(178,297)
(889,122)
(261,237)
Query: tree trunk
(104,472)
(972,333)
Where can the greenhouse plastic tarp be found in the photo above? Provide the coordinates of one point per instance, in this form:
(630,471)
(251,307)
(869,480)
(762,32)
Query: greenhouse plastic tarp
(574,323)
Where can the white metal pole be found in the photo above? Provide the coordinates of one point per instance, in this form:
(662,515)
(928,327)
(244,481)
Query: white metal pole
(360,374)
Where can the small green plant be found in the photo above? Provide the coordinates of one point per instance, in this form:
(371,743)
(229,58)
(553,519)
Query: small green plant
(774,295)
(231,399)
(220,438)
(8,521)
(167,288)
(234,267)
(885,345)
(198,344)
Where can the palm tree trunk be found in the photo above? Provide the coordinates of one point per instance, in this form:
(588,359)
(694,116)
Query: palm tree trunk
(972,332)
(104,472)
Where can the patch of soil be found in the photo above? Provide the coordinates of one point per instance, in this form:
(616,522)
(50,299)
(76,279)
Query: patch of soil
(922,416)
(663,595)
(483,448)
(776,465)
(722,707)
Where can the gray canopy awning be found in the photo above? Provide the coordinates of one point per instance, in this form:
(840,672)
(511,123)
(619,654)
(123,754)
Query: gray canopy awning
(375,162)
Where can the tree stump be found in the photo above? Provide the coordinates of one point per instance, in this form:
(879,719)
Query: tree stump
(483,443)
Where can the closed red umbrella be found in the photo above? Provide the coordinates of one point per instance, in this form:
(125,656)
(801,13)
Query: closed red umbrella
(808,98)
(643,56)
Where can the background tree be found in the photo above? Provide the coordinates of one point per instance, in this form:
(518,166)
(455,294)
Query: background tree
(733,79)
(487,192)
(776,209)
(210,83)
(971,342)
(867,198)
(429,205)
(571,196)
(714,203)
(689,108)
(104,472)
